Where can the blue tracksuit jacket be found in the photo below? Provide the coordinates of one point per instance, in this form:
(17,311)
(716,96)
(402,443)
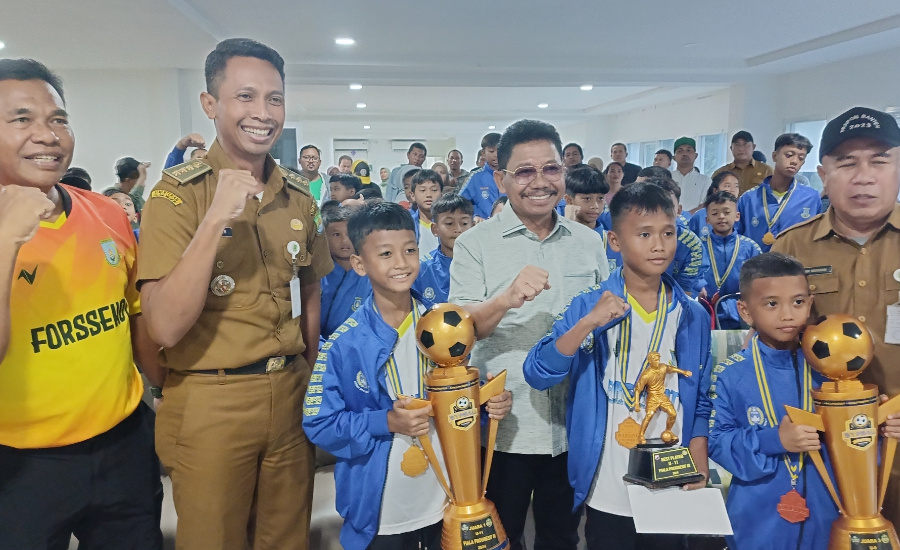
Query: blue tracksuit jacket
(586,402)
(482,191)
(804,204)
(433,281)
(343,292)
(742,441)
(723,248)
(345,413)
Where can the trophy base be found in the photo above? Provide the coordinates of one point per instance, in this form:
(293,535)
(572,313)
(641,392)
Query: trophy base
(657,464)
(474,527)
(872,533)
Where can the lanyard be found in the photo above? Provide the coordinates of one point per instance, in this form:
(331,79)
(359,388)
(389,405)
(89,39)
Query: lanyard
(659,327)
(393,372)
(770,222)
(712,260)
(763,383)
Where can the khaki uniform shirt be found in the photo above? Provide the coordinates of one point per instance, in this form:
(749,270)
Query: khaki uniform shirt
(860,280)
(254,321)
(748,176)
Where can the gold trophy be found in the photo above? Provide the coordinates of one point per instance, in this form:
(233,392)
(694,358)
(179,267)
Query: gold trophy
(445,335)
(656,463)
(847,411)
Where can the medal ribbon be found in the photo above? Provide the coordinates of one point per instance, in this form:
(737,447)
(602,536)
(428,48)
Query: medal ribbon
(659,327)
(393,373)
(763,383)
(770,222)
(712,260)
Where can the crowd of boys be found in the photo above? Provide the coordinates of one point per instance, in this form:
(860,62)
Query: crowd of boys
(272,310)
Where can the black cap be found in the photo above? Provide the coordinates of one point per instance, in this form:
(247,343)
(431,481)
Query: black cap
(744,135)
(859,122)
(77,177)
(126,166)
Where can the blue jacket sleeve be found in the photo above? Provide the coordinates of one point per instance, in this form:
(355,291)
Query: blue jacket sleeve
(689,262)
(175,158)
(749,453)
(329,421)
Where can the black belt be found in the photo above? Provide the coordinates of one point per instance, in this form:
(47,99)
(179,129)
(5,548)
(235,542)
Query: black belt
(263,366)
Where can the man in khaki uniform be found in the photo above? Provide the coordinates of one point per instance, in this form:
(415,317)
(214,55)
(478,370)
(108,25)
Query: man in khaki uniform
(231,258)
(851,251)
(749,172)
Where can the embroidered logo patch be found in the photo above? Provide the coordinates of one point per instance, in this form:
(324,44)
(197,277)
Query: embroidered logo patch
(361,383)
(110,252)
(168,195)
(755,416)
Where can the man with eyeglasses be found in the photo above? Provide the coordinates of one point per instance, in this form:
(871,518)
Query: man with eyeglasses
(514,273)
(749,172)
(310,161)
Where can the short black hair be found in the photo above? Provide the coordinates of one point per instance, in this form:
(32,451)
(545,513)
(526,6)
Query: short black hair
(525,131)
(619,164)
(768,265)
(619,143)
(377,216)
(237,47)
(342,157)
(417,145)
(665,152)
(333,212)
(718,178)
(29,69)
(793,140)
(371,192)
(426,175)
(347,180)
(587,180)
(451,202)
(719,197)
(310,146)
(573,144)
(502,200)
(667,184)
(490,140)
(455,151)
(410,174)
(654,172)
(643,197)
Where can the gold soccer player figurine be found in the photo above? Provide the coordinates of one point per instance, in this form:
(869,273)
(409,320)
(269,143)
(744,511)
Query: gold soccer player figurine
(654,380)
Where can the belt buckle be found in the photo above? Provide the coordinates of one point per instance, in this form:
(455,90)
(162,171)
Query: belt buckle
(275,364)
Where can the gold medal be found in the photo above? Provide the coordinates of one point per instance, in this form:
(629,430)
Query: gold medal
(629,433)
(414,462)
(768,238)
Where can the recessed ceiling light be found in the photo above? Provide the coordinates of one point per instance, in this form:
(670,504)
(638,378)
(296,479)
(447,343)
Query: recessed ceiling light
(356,86)
(366,127)
(344,41)
(2,45)
(360,105)
(491,127)
(587,87)
(543,105)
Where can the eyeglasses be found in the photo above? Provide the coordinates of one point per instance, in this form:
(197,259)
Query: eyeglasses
(309,159)
(526,174)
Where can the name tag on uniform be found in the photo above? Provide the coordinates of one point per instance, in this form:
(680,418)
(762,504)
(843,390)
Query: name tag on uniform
(293,249)
(818,270)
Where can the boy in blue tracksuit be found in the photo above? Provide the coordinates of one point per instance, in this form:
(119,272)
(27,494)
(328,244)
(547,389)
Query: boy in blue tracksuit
(750,435)
(600,343)
(481,189)
(723,181)
(426,187)
(355,407)
(779,201)
(585,189)
(725,251)
(452,216)
(343,290)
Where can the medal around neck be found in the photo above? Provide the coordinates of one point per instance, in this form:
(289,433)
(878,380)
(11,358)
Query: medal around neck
(848,412)
(446,334)
(658,462)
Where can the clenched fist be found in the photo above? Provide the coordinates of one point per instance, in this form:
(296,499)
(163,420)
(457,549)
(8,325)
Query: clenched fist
(21,212)
(530,282)
(191,140)
(607,309)
(233,190)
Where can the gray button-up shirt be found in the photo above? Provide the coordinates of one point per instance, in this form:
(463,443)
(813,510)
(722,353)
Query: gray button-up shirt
(486,260)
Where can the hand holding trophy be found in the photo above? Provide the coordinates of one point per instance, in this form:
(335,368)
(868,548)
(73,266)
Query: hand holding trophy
(445,335)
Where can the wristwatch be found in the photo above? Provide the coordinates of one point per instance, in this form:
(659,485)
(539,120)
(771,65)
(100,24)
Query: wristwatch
(156,392)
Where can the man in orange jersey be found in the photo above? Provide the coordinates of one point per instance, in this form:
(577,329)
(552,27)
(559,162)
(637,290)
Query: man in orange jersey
(76,443)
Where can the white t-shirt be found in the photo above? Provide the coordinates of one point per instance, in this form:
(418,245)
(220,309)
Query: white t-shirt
(693,188)
(427,241)
(608,491)
(409,503)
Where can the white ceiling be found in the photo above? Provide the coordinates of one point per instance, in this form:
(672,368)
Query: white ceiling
(429,60)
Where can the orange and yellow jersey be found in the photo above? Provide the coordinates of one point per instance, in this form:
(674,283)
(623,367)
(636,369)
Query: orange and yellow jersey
(69,374)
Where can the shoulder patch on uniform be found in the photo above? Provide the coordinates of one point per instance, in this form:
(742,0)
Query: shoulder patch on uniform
(801,224)
(185,172)
(168,195)
(295,181)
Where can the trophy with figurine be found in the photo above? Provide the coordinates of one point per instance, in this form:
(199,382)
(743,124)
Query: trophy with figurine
(847,411)
(656,462)
(445,334)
